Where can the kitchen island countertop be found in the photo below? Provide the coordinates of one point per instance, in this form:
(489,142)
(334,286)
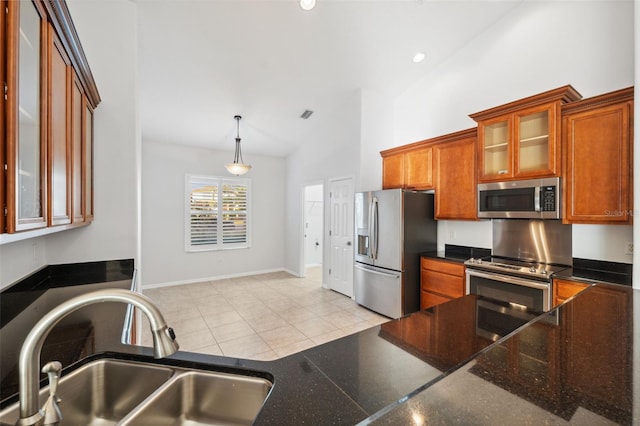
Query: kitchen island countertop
(572,365)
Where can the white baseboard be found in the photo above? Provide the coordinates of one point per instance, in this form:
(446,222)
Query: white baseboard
(214,278)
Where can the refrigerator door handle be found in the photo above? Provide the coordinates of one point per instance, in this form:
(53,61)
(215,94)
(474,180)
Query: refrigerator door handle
(374,235)
(373,271)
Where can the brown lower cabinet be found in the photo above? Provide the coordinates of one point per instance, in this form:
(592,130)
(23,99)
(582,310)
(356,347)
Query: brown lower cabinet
(440,281)
(565,289)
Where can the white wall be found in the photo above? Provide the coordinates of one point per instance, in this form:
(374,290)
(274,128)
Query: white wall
(536,47)
(164,260)
(112,57)
(19,259)
(332,152)
(377,135)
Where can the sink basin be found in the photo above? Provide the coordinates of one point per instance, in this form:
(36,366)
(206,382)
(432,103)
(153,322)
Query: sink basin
(198,398)
(117,392)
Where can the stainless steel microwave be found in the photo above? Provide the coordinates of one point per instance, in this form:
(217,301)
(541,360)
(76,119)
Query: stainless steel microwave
(520,199)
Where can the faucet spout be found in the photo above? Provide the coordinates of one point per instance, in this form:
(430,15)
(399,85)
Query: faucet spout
(163,341)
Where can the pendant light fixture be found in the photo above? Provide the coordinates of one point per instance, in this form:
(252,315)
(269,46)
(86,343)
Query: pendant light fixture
(238,167)
(307,4)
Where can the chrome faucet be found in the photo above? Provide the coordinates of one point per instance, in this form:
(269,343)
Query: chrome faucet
(164,344)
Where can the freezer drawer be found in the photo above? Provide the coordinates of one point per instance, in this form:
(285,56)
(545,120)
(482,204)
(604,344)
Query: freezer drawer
(379,289)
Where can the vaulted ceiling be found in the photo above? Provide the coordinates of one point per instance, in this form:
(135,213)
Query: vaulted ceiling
(203,61)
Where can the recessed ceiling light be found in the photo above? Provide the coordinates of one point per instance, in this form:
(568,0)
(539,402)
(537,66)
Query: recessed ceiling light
(419,57)
(307,4)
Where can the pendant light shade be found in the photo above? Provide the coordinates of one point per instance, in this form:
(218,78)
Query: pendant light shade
(238,167)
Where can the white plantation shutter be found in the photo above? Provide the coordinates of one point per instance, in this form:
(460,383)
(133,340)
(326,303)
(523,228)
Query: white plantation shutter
(217,213)
(234,213)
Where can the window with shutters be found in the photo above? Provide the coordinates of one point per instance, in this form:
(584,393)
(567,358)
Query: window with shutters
(217,213)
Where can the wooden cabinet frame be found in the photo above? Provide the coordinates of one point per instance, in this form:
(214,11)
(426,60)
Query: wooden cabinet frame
(551,101)
(13,222)
(87,160)
(609,118)
(409,166)
(59,139)
(78,186)
(460,203)
(3,118)
(57,35)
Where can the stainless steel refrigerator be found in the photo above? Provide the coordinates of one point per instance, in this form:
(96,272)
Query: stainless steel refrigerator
(393,227)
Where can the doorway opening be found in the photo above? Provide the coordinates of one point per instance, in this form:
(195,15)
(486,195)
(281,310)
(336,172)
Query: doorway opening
(313,231)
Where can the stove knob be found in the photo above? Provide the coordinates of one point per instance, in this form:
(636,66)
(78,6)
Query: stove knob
(532,269)
(543,271)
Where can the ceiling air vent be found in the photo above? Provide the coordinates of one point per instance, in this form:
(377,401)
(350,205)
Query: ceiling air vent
(306,114)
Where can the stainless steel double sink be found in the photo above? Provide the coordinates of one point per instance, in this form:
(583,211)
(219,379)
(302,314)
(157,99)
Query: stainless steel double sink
(122,392)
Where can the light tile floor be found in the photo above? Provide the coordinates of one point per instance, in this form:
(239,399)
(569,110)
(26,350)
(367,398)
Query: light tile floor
(261,317)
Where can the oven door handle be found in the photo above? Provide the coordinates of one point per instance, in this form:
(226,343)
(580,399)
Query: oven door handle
(506,279)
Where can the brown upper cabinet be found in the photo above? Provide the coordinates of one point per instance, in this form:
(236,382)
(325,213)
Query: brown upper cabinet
(598,138)
(59,153)
(446,163)
(455,176)
(521,140)
(48,88)
(410,167)
(25,115)
(3,77)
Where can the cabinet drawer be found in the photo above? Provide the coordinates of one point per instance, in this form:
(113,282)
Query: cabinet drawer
(428,299)
(441,266)
(444,284)
(565,290)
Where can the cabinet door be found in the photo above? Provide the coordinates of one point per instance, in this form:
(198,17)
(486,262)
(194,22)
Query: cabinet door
(535,142)
(25,108)
(598,165)
(598,329)
(419,168)
(495,157)
(440,281)
(59,133)
(77,168)
(87,149)
(393,171)
(456,186)
(3,139)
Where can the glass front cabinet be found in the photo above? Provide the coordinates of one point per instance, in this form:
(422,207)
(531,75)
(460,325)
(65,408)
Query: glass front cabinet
(521,140)
(44,124)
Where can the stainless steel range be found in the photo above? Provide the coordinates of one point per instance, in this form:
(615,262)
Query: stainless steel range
(525,256)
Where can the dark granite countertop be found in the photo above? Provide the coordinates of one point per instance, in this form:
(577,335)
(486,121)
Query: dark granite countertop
(595,271)
(567,365)
(579,370)
(457,254)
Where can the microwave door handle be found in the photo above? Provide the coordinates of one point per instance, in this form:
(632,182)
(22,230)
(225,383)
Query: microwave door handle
(536,198)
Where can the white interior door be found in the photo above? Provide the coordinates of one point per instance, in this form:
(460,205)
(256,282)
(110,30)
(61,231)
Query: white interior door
(341,236)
